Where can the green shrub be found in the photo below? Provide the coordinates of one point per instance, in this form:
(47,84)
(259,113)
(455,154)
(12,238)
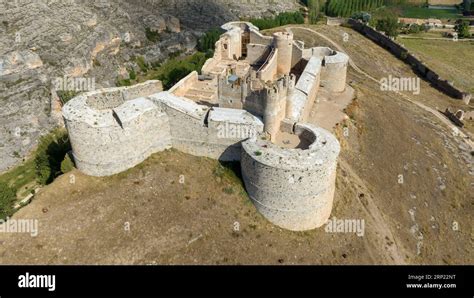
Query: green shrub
(66,96)
(207,41)
(123,83)
(174,70)
(462,28)
(151,35)
(7,199)
(404,55)
(51,151)
(142,64)
(228,190)
(156,64)
(362,16)
(389,25)
(314,8)
(132,74)
(67,164)
(414,28)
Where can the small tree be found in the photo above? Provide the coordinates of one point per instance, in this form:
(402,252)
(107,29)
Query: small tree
(152,35)
(462,28)
(67,164)
(389,25)
(50,153)
(207,41)
(414,28)
(314,9)
(7,199)
(362,16)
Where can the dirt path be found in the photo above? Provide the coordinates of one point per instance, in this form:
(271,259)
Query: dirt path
(394,253)
(456,131)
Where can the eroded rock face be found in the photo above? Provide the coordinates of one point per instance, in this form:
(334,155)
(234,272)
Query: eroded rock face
(41,41)
(202,14)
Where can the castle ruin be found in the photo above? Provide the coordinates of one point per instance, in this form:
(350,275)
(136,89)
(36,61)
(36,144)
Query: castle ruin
(250,103)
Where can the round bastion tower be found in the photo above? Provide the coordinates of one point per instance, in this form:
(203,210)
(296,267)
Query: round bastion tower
(284,43)
(292,188)
(334,72)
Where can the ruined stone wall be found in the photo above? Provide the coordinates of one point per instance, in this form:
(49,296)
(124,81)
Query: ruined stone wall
(187,122)
(334,71)
(258,38)
(115,129)
(116,137)
(185,84)
(301,99)
(227,129)
(292,188)
(270,69)
(255,102)
(231,44)
(297,53)
(401,52)
(255,52)
(231,95)
(201,131)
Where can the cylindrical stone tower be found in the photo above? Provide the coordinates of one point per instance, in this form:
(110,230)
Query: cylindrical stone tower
(292,188)
(284,43)
(274,111)
(334,74)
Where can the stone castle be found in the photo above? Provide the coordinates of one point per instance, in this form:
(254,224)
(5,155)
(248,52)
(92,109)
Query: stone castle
(250,103)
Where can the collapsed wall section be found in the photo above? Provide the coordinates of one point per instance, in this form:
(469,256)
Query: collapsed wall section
(292,188)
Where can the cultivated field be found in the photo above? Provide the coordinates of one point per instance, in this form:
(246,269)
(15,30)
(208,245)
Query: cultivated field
(425,13)
(453,60)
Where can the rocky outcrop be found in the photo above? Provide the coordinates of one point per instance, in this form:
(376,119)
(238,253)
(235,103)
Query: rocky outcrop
(44,40)
(202,14)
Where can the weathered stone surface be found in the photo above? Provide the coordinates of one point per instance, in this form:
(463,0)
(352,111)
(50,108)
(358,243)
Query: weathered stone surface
(42,40)
(114,129)
(292,188)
